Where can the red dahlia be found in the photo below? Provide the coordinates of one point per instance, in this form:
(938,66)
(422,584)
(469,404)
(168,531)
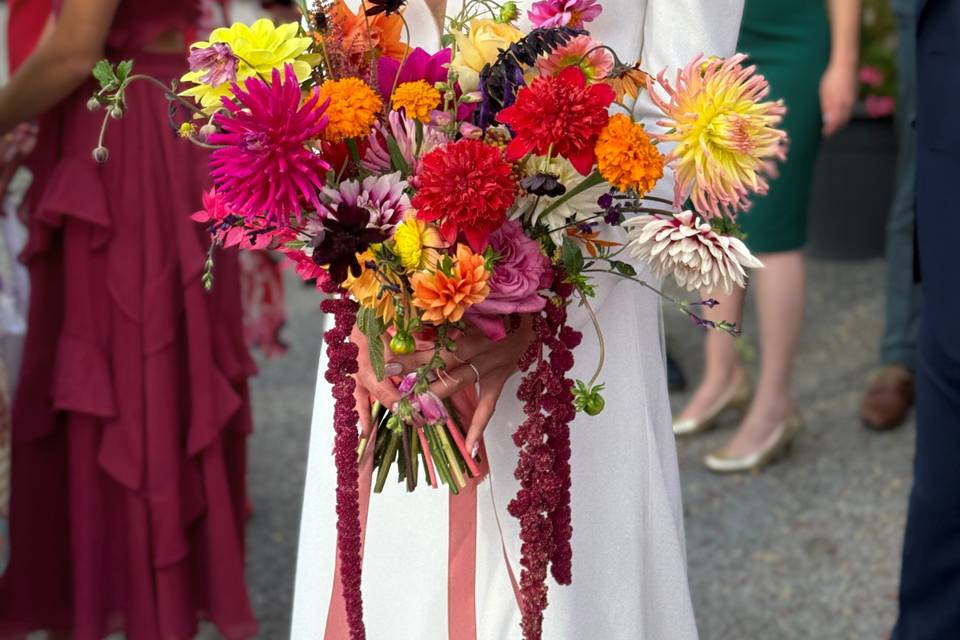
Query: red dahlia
(468,187)
(560,111)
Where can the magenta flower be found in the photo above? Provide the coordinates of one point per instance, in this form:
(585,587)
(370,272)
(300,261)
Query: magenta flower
(564,13)
(265,166)
(419,65)
(521,272)
(217,60)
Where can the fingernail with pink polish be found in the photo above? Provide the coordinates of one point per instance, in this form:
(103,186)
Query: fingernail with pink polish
(393,369)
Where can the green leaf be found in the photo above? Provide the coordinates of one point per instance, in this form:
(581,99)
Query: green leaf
(123,70)
(447,40)
(396,157)
(623,267)
(373,328)
(572,257)
(103,72)
(590,181)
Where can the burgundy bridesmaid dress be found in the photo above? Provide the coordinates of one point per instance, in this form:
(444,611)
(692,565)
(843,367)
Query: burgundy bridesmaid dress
(132,413)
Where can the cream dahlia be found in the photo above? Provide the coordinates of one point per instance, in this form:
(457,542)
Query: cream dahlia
(688,248)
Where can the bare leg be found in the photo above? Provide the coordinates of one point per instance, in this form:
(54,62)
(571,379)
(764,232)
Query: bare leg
(780,288)
(722,367)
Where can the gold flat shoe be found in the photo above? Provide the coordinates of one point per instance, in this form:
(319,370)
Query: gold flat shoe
(778,445)
(736,397)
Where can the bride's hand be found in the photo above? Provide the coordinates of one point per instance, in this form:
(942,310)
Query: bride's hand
(495,362)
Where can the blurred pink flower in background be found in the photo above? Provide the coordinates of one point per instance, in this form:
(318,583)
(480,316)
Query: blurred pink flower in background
(871,76)
(880,106)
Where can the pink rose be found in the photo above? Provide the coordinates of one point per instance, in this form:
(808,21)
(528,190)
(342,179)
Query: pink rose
(519,275)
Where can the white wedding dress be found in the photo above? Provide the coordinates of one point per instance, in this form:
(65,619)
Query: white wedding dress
(629,558)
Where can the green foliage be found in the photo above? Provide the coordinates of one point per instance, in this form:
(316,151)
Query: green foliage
(373,328)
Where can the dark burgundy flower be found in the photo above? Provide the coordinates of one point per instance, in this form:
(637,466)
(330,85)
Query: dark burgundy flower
(384,6)
(343,237)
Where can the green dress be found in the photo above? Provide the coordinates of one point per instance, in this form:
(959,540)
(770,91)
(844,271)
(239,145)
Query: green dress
(789,41)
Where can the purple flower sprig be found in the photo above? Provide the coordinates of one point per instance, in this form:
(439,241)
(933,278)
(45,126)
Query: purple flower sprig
(341,365)
(542,504)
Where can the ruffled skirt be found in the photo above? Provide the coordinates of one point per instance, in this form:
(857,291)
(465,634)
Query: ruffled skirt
(132,413)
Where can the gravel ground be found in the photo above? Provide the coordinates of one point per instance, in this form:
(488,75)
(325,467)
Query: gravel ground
(807,549)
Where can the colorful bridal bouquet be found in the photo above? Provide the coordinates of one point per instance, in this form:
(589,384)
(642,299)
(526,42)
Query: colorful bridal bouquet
(479,187)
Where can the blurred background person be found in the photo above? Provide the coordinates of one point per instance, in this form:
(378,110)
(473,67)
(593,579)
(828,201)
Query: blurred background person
(888,398)
(131,416)
(930,577)
(810,62)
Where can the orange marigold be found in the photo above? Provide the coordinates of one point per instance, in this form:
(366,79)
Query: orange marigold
(417,99)
(445,295)
(626,158)
(353,109)
(368,291)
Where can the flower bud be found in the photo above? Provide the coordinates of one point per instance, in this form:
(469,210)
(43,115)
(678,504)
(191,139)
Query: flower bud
(508,12)
(471,98)
(100,154)
(431,407)
(116,112)
(468,130)
(207,130)
(93,104)
(441,118)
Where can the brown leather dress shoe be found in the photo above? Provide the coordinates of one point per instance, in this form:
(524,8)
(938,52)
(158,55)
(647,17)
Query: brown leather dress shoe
(888,399)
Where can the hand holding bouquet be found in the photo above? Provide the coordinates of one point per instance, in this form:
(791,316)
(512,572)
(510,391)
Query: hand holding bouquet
(452,205)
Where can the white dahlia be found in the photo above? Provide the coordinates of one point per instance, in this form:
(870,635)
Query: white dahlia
(384,196)
(686,247)
(580,207)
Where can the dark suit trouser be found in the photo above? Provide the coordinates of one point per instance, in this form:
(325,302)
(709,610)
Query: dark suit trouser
(930,578)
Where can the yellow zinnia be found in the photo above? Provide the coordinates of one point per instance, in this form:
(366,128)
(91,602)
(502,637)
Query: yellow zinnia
(259,49)
(416,243)
(353,108)
(417,99)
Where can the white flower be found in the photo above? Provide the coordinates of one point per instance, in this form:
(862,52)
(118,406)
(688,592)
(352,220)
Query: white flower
(579,207)
(686,247)
(384,196)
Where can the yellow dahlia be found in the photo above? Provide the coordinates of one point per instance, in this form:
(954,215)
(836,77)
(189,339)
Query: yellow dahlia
(353,109)
(445,297)
(233,54)
(626,158)
(368,290)
(417,99)
(725,135)
(416,243)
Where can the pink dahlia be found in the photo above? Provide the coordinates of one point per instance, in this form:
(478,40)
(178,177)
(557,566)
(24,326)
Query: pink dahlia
(383,196)
(561,115)
(265,166)
(468,187)
(564,13)
(584,52)
(403,130)
(231,230)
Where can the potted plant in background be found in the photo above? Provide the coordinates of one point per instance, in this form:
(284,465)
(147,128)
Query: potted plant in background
(853,180)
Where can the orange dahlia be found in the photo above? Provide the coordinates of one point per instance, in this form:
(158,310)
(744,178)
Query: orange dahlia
(444,296)
(626,158)
(353,108)
(364,38)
